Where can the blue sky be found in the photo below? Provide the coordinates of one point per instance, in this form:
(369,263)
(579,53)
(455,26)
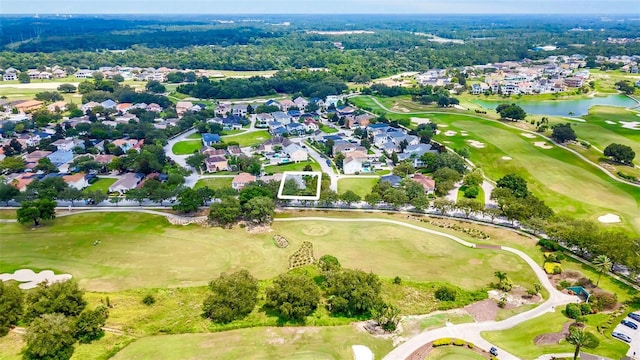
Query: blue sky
(319,7)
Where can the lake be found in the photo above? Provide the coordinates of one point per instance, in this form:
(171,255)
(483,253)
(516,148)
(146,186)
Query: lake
(579,107)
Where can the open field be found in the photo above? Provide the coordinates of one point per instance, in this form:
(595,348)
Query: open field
(453,353)
(102,184)
(292,167)
(257,343)
(214,183)
(360,186)
(248,139)
(186,147)
(561,179)
(519,340)
(191,255)
(194,136)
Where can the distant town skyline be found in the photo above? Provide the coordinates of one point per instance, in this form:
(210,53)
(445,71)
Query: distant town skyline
(603,7)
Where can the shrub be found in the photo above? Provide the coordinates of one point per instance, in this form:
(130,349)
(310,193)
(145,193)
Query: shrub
(552,268)
(564,284)
(573,311)
(549,244)
(397,280)
(442,342)
(458,342)
(603,300)
(471,192)
(585,308)
(148,300)
(328,263)
(470,345)
(585,282)
(446,293)
(502,304)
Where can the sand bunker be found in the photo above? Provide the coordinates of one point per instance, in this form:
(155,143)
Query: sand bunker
(361,352)
(451,133)
(438,131)
(464,133)
(543,145)
(443,125)
(476,144)
(30,279)
(507,158)
(610,122)
(527,135)
(420,120)
(633,125)
(609,219)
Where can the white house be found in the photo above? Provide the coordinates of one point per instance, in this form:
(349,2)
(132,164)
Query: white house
(296,153)
(354,162)
(77,180)
(127,182)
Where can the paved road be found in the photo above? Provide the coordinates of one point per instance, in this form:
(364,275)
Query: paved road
(580,156)
(488,187)
(327,169)
(192,179)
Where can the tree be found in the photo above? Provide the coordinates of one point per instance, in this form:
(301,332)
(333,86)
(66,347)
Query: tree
(516,183)
(188,201)
(46,166)
(474,178)
(8,193)
(63,297)
(403,169)
(620,153)
(233,297)
(350,197)
(420,202)
(504,283)
(71,194)
(226,212)
(395,197)
(90,323)
(155,87)
(469,206)
(50,337)
(196,161)
(11,306)
(352,292)
(12,164)
(117,78)
(49,96)
(373,199)
(602,263)
(443,205)
(86,87)
(260,209)
(67,88)
(293,296)
(23,78)
(511,112)
(328,197)
(137,195)
(581,339)
(563,133)
(625,86)
(36,211)
(329,263)
(96,197)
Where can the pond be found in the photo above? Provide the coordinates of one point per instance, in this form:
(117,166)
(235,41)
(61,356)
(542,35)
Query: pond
(578,107)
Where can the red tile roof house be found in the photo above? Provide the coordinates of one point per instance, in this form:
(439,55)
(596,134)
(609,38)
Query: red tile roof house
(427,182)
(77,180)
(216,163)
(241,180)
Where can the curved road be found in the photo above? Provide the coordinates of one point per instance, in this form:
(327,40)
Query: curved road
(192,179)
(580,156)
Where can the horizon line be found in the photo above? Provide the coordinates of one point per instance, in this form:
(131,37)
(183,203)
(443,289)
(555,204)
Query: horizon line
(318,13)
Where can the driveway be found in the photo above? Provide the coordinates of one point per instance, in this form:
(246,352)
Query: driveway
(325,168)
(192,179)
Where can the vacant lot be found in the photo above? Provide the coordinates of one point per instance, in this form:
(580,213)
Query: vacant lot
(186,147)
(140,250)
(291,167)
(102,184)
(258,343)
(248,139)
(361,186)
(214,183)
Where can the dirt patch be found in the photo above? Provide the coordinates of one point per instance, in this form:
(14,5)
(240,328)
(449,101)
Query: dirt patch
(553,338)
(485,310)
(542,145)
(259,229)
(527,135)
(400,108)
(515,298)
(315,230)
(608,166)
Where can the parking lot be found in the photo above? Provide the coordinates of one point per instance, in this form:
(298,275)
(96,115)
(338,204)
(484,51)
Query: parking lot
(634,350)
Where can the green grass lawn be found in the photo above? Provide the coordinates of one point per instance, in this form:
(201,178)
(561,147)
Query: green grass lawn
(191,255)
(231,132)
(214,183)
(479,198)
(195,136)
(328,129)
(186,147)
(102,184)
(360,186)
(600,134)
(453,353)
(248,139)
(7,214)
(258,343)
(292,167)
(519,340)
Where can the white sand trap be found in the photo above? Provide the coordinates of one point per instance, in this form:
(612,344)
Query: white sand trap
(459,107)
(451,133)
(527,135)
(476,144)
(543,145)
(507,158)
(443,125)
(633,125)
(30,279)
(464,133)
(361,352)
(575,119)
(609,219)
(438,131)
(610,122)
(418,120)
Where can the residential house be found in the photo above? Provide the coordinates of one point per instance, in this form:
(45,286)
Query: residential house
(311,125)
(77,180)
(274,144)
(183,106)
(21,181)
(296,129)
(301,103)
(333,100)
(414,153)
(31,161)
(343,147)
(210,139)
(29,105)
(345,110)
(223,109)
(125,183)
(10,77)
(104,159)
(355,162)
(216,163)
(240,110)
(234,150)
(60,157)
(89,106)
(209,151)
(286,104)
(393,180)
(427,182)
(281,117)
(296,153)
(108,104)
(128,144)
(241,180)
(574,82)
(362,120)
(154,107)
(84,74)
(233,122)
(68,144)
(124,107)
(272,102)
(318,102)
(263,119)
(57,106)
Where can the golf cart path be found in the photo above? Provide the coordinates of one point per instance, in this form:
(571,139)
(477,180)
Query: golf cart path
(471,331)
(580,156)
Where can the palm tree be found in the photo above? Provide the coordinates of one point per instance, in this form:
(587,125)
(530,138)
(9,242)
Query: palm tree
(602,263)
(580,338)
(501,275)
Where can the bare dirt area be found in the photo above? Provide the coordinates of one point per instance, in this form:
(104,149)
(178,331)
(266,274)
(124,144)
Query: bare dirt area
(485,310)
(553,338)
